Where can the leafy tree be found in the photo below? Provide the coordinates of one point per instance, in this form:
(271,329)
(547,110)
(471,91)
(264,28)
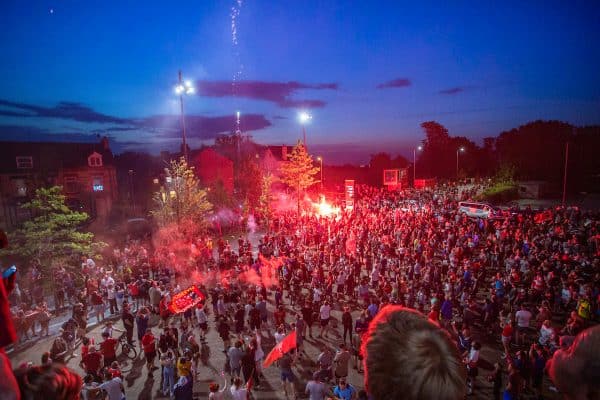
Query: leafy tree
(249,179)
(53,235)
(182,199)
(298,171)
(264,204)
(218,196)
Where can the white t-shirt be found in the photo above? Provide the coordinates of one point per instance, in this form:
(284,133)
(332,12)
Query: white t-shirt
(113,389)
(523,317)
(238,394)
(201,316)
(325,311)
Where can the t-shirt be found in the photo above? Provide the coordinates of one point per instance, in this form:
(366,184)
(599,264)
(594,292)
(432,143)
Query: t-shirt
(91,361)
(235,357)
(507,330)
(238,393)
(113,389)
(148,343)
(109,347)
(325,311)
(523,317)
(341,360)
(344,393)
(315,390)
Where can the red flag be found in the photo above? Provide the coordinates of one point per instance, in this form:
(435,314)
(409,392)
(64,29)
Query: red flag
(288,343)
(186,299)
(250,383)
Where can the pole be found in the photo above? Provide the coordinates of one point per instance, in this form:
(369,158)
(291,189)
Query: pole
(185,152)
(564,196)
(304,135)
(414,166)
(321,159)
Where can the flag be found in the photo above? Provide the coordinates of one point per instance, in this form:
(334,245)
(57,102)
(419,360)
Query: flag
(250,383)
(186,299)
(287,344)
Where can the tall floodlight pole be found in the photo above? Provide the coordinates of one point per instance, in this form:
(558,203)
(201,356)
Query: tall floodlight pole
(181,89)
(459,150)
(320,159)
(304,117)
(419,148)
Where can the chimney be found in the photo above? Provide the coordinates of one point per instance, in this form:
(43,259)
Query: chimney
(104,143)
(283,152)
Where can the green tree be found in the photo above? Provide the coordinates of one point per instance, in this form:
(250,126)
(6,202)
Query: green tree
(298,171)
(53,235)
(266,197)
(248,181)
(181,199)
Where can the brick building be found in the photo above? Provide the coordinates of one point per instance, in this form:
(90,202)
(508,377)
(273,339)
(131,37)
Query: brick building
(84,170)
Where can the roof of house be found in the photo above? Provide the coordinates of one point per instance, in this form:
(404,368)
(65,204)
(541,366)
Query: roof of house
(50,156)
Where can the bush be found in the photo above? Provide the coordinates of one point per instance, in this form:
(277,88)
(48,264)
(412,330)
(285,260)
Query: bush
(500,193)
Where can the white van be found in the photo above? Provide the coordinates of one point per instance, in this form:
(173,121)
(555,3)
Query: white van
(477,210)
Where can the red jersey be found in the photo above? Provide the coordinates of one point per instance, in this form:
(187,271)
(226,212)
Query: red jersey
(91,362)
(109,348)
(148,343)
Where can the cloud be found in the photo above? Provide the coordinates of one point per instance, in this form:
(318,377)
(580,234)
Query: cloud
(63,110)
(395,83)
(279,93)
(24,133)
(199,126)
(279,117)
(455,90)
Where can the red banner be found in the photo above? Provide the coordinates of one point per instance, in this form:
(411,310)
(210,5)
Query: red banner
(186,299)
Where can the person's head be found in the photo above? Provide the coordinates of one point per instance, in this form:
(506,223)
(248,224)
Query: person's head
(52,381)
(105,335)
(407,356)
(575,370)
(46,358)
(213,387)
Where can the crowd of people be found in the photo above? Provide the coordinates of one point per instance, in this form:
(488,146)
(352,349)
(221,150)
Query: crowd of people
(525,284)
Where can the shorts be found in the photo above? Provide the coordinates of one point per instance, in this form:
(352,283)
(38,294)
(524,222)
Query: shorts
(150,357)
(287,376)
(324,322)
(204,326)
(522,329)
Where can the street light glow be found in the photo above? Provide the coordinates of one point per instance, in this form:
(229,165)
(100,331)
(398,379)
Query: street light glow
(462,149)
(420,148)
(304,117)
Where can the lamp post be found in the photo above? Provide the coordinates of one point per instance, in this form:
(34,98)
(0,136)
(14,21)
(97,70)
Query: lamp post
(321,160)
(304,117)
(418,148)
(459,150)
(181,89)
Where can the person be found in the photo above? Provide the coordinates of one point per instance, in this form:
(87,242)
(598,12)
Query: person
(347,324)
(409,357)
(108,347)
(471,361)
(128,321)
(167,362)
(496,378)
(214,392)
(344,391)
(113,387)
(238,390)
(341,360)
(235,354)
(522,317)
(202,320)
(287,376)
(141,321)
(53,381)
(87,391)
(91,362)
(183,389)
(148,343)
(325,313)
(315,388)
(575,370)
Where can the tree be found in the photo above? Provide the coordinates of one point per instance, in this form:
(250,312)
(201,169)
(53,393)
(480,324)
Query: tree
(249,180)
(264,202)
(298,171)
(181,199)
(53,235)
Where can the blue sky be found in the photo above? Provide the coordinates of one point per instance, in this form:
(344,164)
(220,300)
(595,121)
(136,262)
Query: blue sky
(369,72)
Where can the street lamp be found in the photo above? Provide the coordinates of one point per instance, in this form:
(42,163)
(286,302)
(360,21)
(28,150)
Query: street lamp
(459,150)
(304,117)
(321,160)
(419,148)
(184,88)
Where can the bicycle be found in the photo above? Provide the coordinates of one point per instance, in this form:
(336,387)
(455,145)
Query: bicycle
(127,348)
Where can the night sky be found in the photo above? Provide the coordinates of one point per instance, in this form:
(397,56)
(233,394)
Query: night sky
(369,72)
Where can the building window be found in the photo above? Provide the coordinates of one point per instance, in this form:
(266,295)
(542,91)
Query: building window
(20,187)
(95,160)
(71,184)
(97,184)
(24,162)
